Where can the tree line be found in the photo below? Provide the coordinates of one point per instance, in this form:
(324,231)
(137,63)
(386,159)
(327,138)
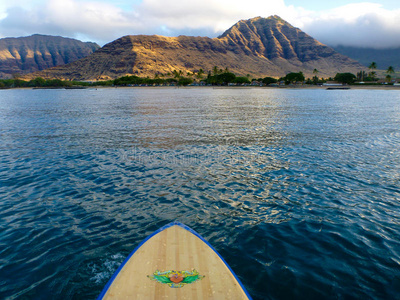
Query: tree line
(216,76)
(40,82)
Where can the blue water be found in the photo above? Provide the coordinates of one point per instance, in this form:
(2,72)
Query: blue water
(299,190)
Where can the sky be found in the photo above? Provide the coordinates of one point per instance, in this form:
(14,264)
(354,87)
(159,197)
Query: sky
(368,23)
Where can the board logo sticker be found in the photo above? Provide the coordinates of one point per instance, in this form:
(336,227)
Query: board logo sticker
(176,279)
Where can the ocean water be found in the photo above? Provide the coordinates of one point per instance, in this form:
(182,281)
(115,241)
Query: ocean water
(299,190)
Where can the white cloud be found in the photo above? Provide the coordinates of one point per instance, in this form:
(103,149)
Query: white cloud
(217,15)
(95,21)
(104,22)
(362,24)
(366,24)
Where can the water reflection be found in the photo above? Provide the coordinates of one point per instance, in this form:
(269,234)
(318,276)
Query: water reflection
(195,120)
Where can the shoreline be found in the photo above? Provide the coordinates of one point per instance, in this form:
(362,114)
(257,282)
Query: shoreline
(293,87)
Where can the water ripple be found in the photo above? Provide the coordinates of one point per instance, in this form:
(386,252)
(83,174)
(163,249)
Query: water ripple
(298,190)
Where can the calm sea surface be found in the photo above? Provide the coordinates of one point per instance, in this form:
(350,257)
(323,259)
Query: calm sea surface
(299,190)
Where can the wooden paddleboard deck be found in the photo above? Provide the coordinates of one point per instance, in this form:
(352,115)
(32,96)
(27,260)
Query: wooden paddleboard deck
(174,263)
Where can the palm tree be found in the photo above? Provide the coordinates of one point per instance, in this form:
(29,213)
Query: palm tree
(315,79)
(390,70)
(361,75)
(372,68)
(200,74)
(177,74)
(215,70)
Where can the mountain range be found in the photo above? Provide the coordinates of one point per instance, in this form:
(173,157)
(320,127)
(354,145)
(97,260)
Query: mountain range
(383,57)
(38,52)
(256,47)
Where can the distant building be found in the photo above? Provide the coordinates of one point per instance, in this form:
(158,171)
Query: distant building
(256,83)
(332,83)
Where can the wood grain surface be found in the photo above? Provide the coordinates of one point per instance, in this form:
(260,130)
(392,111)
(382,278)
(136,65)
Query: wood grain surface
(175,248)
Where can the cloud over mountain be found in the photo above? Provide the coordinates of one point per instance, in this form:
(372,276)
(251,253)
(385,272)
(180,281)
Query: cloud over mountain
(362,24)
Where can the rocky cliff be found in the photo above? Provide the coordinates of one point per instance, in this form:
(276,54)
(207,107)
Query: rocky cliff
(38,52)
(259,47)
